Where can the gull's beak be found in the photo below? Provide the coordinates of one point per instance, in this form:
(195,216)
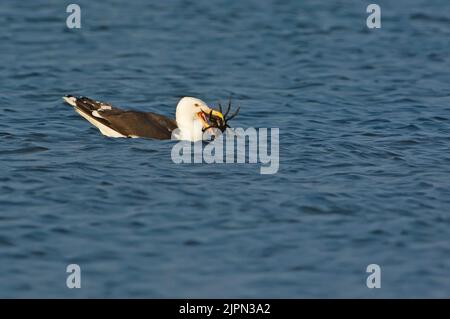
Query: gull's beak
(214,113)
(217,114)
(203,119)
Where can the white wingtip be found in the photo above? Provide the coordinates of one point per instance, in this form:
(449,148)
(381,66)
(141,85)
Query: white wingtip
(70,99)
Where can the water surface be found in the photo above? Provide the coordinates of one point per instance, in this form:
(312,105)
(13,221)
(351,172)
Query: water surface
(364,118)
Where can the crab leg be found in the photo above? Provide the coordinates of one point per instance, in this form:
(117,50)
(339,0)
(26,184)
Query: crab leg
(234,114)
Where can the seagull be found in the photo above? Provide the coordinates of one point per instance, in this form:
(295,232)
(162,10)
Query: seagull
(191,119)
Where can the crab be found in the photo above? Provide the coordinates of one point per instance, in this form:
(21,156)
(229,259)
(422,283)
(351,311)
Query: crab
(218,122)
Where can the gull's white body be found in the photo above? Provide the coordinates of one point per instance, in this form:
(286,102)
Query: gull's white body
(105,130)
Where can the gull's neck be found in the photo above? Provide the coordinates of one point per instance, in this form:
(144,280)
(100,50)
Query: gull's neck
(190,129)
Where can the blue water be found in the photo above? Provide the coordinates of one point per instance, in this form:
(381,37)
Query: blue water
(364,118)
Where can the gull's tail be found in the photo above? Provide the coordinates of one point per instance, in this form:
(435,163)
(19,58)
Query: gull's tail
(88,108)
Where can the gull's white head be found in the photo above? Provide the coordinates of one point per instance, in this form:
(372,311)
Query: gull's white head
(191,118)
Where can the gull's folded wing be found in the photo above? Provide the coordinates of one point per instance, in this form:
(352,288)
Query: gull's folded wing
(115,122)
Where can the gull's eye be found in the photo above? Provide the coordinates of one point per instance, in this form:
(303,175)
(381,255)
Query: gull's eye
(196,104)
